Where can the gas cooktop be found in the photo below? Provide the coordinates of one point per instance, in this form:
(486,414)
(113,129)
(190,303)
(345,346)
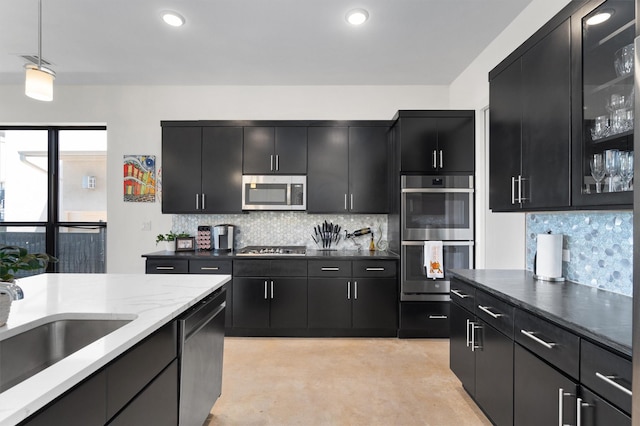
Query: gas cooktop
(272,251)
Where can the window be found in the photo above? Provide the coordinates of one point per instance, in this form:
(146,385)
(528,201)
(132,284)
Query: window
(53,194)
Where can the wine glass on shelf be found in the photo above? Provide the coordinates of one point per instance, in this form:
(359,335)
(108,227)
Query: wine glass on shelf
(626,169)
(612,167)
(597,170)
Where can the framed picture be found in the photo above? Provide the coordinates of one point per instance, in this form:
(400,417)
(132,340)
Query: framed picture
(185,243)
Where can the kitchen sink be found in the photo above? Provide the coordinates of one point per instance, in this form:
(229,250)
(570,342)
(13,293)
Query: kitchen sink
(29,352)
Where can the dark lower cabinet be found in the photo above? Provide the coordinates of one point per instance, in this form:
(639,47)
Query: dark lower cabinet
(596,411)
(424,319)
(494,374)
(157,405)
(462,358)
(542,395)
(329,303)
(372,307)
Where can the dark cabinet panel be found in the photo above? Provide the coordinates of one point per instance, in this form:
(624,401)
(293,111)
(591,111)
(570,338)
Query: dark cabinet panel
(419,142)
(595,411)
(329,303)
(250,302)
(279,150)
(222,170)
(462,360)
(167,266)
(291,150)
(181,168)
(375,302)
(494,374)
(424,319)
(258,150)
(288,297)
(537,392)
(328,169)
(368,176)
(456,139)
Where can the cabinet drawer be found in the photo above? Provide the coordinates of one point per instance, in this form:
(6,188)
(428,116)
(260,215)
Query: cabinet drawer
(424,319)
(598,412)
(206,266)
(251,268)
(167,266)
(288,268)
(131,372)
(554,344)
(374,268)
(463,294)
(495,312)
(607,374)
(329,268)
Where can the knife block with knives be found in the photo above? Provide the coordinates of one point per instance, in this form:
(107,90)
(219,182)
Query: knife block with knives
(326,234)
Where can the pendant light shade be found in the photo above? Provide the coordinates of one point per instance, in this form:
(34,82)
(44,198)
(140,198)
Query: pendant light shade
(38,83)
(39,80)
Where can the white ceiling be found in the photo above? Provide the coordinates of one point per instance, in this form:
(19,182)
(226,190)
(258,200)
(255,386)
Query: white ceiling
(251,42)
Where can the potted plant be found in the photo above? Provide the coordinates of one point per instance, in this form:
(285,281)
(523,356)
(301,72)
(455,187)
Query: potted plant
(169,240)
(14,259)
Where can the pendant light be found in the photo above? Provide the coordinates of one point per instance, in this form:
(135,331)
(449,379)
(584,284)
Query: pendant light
(39,80)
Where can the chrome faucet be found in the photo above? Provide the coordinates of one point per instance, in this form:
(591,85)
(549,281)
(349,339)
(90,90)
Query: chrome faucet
(12,289)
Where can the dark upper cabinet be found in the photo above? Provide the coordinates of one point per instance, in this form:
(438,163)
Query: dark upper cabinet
(603,101)
(348,169)
(275,150)
(434,142)
(530,127)
(202,169)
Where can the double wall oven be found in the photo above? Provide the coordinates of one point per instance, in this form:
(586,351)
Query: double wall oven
(435,208)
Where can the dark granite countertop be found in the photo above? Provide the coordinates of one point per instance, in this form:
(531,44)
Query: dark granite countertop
(311,254)
(598,315)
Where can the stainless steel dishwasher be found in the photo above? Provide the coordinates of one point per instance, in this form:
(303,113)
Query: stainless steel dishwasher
(201,331)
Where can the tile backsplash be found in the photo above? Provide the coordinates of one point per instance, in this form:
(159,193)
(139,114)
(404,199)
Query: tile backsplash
(286,228)
(600,245)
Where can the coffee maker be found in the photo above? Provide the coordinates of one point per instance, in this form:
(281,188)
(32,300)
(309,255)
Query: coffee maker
(223,237)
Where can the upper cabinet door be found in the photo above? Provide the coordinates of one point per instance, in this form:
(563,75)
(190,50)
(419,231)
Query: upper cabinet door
(328,165)
(603,105)
(505,131)
(181,169)
(456,144)
(368,170)
(222,169)
(258,150)
(546,126)
(419,144)
(291,150)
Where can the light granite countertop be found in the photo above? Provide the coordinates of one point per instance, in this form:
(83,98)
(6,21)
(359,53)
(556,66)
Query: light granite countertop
(149,301)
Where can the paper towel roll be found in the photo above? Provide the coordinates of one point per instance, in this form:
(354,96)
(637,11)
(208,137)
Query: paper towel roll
(549,257)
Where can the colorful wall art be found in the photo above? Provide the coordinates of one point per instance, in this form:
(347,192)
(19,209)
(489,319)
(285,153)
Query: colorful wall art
(140,178)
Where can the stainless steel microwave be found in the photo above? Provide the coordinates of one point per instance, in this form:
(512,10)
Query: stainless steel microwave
(274,192)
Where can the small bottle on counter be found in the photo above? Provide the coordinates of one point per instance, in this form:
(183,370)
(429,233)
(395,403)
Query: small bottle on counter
(372,245)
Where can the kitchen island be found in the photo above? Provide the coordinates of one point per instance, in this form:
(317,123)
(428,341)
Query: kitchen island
(148,302)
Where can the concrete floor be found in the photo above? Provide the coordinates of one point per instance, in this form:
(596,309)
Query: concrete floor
(275,381)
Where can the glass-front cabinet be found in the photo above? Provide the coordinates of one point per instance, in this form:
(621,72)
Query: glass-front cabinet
(603,140)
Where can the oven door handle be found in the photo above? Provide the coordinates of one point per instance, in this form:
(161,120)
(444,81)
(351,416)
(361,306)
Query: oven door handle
(444,243)
(436,190)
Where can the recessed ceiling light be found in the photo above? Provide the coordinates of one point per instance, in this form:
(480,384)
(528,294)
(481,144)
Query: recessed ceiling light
(357,16)
(600,17)
(173,18)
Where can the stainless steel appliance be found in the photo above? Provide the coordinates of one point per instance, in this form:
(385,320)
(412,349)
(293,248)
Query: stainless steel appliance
(437,208)
(272,251)
(274,192)
(201,333)
(434,208)
(223,237)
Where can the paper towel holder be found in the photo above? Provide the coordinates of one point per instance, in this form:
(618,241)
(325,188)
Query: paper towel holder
(542,277)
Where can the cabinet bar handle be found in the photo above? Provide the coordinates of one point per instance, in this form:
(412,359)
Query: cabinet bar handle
(203,204)
(351,196)
(374,269)
(265,289)
(473,335)
(197,201)
(513,189)
(277,162)
(486,309)
(468,322)
(579,406)
(355,290)
(271,162)
(272,289)
(209,268)
(530,335)
(165,268)
(460,295)
(435,165)
(609,380)
(438,317)
(441,159)
(348,289)
(345,201)
(329,268)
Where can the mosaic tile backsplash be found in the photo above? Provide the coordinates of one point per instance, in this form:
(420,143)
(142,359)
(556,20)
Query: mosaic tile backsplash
(287,228)
(600,246)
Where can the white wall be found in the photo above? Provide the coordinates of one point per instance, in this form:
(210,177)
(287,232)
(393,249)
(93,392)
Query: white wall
(500,237)
(132,115)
